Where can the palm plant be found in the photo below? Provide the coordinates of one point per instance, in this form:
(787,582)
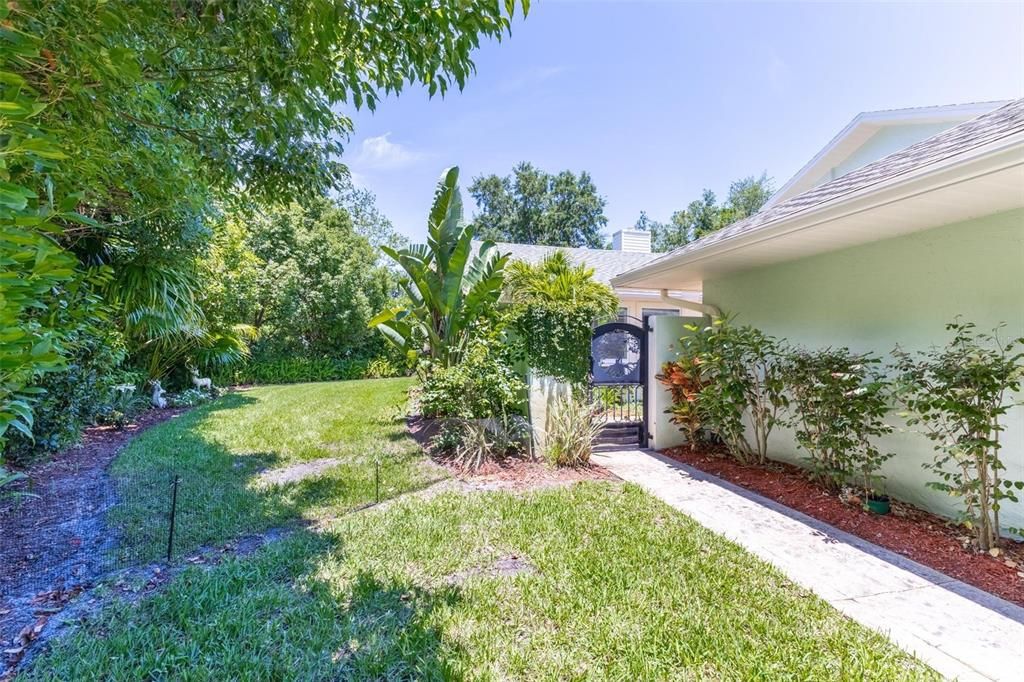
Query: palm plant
(556,280)
(449,288)
(164,322)
(553,307)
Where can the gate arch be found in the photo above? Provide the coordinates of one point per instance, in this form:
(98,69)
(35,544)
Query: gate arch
(618,383)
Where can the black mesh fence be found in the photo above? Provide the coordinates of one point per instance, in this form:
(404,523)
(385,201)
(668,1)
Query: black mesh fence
(67,535)
(53,542)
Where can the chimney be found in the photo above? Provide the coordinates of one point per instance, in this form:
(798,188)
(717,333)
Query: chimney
(635,241)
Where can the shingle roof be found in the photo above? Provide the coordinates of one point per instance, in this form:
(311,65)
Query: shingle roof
(605,262)
(971,134)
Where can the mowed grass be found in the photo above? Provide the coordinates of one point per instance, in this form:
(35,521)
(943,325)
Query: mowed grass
(223,453)
(624,588)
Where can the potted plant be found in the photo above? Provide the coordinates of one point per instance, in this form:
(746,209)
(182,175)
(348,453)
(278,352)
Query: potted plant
(874,501)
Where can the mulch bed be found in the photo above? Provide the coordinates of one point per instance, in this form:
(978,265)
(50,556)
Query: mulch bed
(42,532)
(510,473)
(517,473)
(916,534)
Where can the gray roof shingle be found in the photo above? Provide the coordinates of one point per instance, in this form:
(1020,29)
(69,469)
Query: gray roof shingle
(1002,122)
(606,263)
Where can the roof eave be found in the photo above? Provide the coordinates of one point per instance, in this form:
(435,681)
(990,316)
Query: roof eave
(981,160)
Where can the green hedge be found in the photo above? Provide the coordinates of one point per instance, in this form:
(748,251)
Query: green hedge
(292,370)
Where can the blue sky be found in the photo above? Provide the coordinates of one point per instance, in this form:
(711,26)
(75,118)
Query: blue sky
(659,100)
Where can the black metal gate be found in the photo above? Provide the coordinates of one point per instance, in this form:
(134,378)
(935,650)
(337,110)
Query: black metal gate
(618,384)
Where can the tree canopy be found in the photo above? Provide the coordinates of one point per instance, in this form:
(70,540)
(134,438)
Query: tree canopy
(130,126)
(705,215)
(302,277)
(531,206)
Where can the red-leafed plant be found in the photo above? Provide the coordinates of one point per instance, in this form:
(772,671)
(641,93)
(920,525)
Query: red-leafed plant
(683,379)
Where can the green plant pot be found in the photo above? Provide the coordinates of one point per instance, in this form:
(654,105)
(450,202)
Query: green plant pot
(877,505)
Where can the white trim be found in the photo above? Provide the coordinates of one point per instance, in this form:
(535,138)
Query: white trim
(866,124)
(1002,154)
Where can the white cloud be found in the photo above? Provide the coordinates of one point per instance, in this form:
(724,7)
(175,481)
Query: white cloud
(380,153)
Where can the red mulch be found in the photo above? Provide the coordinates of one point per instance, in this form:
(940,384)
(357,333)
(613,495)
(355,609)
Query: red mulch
(916,534)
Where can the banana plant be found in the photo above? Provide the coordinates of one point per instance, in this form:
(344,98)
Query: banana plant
(449,287)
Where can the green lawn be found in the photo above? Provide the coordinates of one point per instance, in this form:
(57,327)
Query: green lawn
(625,588)
(223,451)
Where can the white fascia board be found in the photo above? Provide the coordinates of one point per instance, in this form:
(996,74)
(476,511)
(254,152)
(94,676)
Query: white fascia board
(1001,154)
(866,124)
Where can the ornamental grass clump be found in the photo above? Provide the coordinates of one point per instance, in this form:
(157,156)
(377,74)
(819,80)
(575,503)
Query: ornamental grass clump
(571,430)
(838,405)
(958,395)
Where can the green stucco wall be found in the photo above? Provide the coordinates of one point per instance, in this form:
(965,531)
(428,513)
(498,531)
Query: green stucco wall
(663,346)
(901,290)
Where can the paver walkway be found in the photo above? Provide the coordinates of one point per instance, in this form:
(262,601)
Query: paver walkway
(960,631)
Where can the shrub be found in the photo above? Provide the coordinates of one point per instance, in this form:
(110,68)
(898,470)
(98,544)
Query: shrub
(126,399)
(471,442)
(481,385)
(74,397)
(381,368)
(838,403)
(292,370)
(190,397)
(553,308)
(683,380)
(570,432)
(741,371)
(957,394)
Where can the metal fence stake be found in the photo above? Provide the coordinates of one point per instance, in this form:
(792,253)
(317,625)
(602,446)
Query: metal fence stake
(174,510)
(376,482)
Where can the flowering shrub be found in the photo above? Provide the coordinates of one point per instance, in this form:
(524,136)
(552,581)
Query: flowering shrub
(838,400)
(957,395)
(191,397)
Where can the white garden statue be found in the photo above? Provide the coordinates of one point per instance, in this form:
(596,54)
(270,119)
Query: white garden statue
(158,399)
(201,382)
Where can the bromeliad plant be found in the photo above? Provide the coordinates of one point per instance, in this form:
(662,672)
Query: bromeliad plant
(449,287)
(838,406)
(957,395)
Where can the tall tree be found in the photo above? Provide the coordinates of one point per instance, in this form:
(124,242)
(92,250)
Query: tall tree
(367,219)
(531,206)
(747,196)
(302,276)
(703,216)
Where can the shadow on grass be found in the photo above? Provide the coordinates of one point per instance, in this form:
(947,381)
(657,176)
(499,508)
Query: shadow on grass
(291,610)
(222,495)
(390,633)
